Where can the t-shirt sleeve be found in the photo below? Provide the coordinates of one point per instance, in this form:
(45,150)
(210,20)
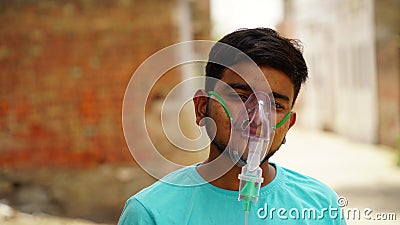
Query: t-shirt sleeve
(135,213)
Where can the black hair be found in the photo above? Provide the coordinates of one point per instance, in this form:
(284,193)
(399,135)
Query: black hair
(265,47)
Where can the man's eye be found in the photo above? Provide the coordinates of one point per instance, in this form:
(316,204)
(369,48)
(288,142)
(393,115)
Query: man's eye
(276,105)
(243,97)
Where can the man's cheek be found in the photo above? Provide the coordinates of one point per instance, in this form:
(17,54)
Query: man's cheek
(276,141)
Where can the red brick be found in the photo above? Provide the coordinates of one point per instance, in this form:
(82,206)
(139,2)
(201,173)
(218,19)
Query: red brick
(65,67)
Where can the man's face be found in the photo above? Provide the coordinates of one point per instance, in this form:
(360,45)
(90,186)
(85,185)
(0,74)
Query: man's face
(282,89)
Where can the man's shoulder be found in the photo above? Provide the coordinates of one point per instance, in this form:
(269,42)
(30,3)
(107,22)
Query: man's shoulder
(308,187)
(164,198)
(179,181)
(306,181)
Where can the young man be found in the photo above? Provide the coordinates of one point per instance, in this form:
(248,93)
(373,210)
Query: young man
(285,197)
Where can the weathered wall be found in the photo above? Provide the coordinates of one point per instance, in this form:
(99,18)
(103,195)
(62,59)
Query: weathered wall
(65,66)
(64,69)
(387,19)
(352,50)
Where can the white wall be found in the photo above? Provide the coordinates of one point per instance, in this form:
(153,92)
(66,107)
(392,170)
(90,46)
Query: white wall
(341,94)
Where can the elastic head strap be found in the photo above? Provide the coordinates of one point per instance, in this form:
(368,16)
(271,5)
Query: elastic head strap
(221,101)
(283,120)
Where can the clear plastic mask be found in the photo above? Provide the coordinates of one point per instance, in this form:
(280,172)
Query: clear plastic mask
(254,123)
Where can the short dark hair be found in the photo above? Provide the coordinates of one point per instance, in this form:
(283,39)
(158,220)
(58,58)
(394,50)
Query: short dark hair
(266,48)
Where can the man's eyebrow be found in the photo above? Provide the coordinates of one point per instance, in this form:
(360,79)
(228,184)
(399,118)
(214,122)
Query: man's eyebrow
(245,87)
(280,96)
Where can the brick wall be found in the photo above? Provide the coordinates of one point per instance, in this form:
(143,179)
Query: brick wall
(64,69)
(387,21)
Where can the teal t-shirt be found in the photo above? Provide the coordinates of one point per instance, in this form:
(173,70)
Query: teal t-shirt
(291,198)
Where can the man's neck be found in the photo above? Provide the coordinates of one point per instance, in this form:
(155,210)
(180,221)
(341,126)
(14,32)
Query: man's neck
(229,180)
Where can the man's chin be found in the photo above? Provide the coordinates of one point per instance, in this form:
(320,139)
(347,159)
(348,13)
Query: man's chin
(243,160)
(240,160)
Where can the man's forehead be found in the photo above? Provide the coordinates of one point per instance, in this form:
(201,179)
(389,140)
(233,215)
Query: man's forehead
(265,79)
(246,78)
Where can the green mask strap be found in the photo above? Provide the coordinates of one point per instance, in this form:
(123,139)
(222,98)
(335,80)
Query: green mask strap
(221,101)
(283,120)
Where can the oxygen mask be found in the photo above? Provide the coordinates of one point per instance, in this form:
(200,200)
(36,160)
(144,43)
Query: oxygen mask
(253,127)
(252,130)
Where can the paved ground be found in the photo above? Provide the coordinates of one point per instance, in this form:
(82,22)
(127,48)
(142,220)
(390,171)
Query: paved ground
(9,216)
(366,175)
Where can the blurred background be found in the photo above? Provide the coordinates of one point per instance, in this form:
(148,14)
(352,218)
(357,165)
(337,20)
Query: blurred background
(65,66)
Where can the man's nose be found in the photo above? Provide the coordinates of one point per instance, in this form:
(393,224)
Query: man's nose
(258,114)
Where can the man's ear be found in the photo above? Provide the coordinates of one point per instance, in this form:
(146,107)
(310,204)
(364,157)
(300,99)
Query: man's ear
(200,100)
(292,119)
